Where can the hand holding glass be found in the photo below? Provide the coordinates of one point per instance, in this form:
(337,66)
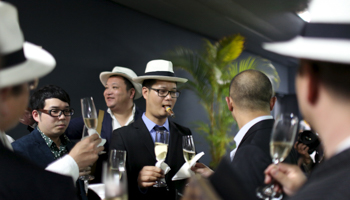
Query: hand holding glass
(86,177)
(281,142)
(161,149)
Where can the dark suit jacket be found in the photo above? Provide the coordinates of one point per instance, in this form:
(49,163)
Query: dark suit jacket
(328,181)
(75,130)
(137,141)
(34,148)
(21,179)
(253,156)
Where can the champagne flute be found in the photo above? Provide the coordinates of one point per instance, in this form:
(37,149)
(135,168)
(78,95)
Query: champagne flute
(86,177)
(117,160)
(116,187)
(161,149)
(188,148)
(281,142)
(89,113)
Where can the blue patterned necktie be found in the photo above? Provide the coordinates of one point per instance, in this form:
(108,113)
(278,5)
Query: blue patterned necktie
(161,129)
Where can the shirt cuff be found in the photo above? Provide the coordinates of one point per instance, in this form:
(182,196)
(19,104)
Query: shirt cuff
(65,166)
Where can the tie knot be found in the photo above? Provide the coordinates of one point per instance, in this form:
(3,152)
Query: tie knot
(159,128)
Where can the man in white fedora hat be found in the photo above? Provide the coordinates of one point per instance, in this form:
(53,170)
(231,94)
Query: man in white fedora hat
(120,92)
(22,64)
(323,92)
(160,92)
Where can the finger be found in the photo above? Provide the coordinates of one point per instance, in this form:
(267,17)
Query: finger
(94,137)
(152,169)
(99,149)
(156,175)
(148,184)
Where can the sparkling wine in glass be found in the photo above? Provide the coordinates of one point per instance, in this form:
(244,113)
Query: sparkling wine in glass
(89,113)
(188,148)
(281,142)
(116,187)
(161,149)
(117,160)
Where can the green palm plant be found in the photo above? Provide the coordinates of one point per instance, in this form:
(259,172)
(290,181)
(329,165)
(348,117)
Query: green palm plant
(212,70)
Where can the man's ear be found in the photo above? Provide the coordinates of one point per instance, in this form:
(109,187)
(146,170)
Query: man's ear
(36,115)
(145,92)
(132,93)
(313,85)
(229,103)
(272,102)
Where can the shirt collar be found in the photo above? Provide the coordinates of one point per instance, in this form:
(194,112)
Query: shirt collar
(64,139)
(345,144)
(115,123)
(241,133)
(150,124)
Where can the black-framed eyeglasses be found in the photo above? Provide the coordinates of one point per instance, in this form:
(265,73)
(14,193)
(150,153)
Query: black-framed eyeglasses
(57,112)
(164,93)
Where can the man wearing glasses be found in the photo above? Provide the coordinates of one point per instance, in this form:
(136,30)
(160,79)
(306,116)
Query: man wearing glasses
(47,142)
(137,139)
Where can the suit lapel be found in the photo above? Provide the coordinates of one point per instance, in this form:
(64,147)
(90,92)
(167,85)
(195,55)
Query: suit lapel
(45,153)
(144,135)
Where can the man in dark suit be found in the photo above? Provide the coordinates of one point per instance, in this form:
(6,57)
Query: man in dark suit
(323,92)
(250,102)
(160,91)
(23,63)
(47,142)
(120,92)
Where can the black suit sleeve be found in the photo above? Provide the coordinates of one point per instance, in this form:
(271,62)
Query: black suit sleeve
(251,162)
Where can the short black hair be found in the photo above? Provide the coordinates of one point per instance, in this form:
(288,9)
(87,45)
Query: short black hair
(334,76)
(148,83)
(251,90)
(37,100)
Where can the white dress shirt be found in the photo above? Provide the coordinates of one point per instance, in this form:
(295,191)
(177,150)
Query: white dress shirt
(344,145)
(64,166)
(115,123)
(241,133)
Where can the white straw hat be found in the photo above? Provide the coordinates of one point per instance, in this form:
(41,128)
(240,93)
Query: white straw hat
(160,70)
(124,72)
(22,61)
(326,38)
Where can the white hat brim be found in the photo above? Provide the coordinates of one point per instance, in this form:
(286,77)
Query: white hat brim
(38,64)
(140,79)
(105,75)
(322,49)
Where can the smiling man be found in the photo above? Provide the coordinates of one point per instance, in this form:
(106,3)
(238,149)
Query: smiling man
(119,94)
(159,90)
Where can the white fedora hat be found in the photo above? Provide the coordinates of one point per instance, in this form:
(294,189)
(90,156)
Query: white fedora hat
(124,72)
(325,38)
(160,70)
(22,61)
